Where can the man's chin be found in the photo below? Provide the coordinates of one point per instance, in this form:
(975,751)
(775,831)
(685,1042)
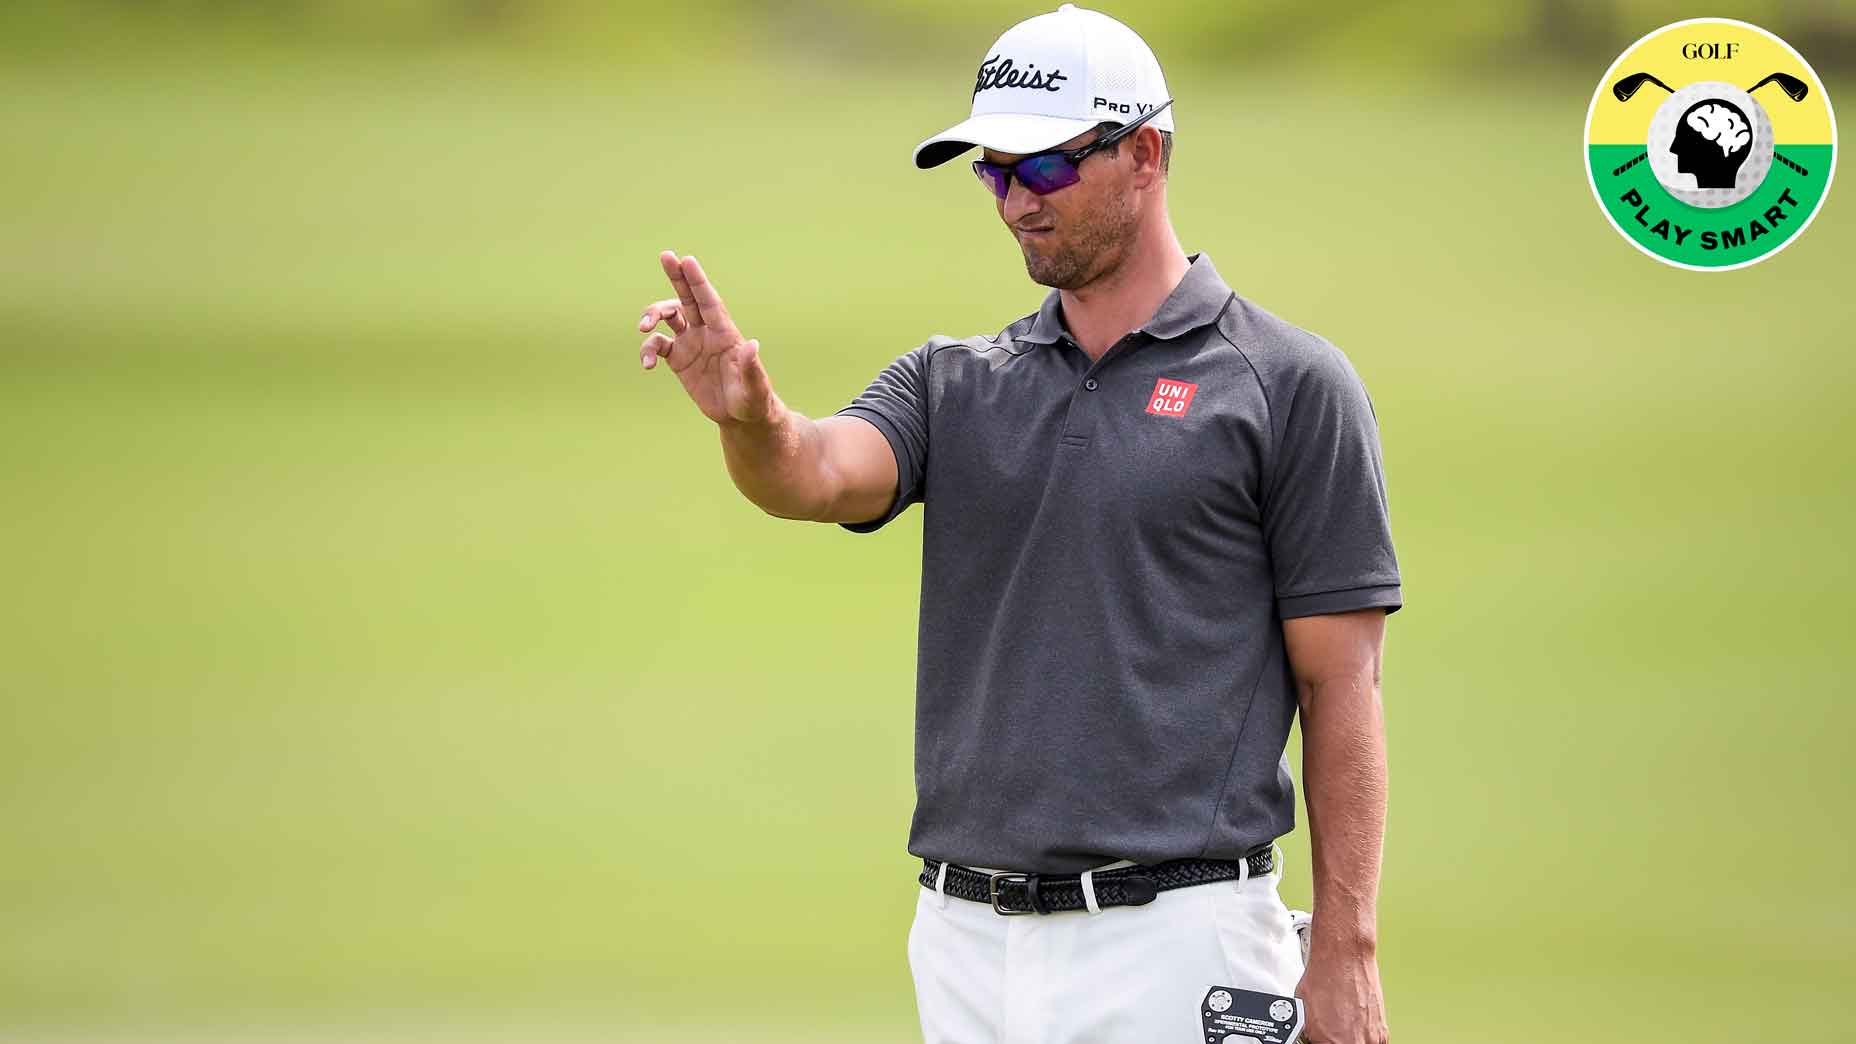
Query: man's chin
(1045,270)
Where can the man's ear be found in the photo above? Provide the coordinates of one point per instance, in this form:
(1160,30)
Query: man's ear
(1146,153)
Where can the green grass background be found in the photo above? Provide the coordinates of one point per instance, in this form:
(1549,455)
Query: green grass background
(386,657)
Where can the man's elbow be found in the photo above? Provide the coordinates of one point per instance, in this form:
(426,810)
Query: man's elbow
(1359,688)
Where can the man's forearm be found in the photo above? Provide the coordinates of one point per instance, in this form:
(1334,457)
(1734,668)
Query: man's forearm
(1344,778)
(778,464)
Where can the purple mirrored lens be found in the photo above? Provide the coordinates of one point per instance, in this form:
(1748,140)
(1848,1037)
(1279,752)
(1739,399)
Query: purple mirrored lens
(1046,173)
(997,179)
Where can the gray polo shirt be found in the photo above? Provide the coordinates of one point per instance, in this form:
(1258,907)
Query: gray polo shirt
(1108,551)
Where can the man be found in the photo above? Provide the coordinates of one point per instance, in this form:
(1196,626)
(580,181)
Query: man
(1155,528)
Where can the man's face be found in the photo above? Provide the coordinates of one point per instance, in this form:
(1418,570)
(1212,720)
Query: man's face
(1078,232)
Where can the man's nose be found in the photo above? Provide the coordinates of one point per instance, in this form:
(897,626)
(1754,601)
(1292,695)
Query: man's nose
(1020,201)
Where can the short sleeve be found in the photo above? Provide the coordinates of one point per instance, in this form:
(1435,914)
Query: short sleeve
(1324,511)
(896,402)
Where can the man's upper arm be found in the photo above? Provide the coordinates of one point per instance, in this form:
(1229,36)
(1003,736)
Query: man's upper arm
(878,445)
(1334,648)
(1324,505)
(862,466)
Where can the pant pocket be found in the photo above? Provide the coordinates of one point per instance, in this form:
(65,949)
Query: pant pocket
(1257,937)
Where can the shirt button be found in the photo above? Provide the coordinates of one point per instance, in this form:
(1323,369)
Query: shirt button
(1090,384)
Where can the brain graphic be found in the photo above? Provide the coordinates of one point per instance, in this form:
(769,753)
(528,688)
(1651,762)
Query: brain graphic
(1722,126)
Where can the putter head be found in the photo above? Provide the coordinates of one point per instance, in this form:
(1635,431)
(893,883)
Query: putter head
(1793,87)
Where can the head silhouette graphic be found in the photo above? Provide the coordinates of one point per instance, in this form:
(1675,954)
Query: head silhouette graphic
(1713,138)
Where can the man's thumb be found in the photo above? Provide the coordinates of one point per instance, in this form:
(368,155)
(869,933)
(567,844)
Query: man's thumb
(755,374)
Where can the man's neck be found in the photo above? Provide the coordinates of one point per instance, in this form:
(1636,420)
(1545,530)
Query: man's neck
(1121,301)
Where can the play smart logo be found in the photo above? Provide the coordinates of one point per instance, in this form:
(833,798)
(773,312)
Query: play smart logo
(1710,144)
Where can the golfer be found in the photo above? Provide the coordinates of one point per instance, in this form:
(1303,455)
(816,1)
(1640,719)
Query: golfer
(1154,531)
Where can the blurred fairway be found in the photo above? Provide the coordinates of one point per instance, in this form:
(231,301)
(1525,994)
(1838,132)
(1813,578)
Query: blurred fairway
(388,658)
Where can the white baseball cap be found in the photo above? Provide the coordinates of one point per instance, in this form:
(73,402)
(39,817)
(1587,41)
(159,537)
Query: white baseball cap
(1051,78)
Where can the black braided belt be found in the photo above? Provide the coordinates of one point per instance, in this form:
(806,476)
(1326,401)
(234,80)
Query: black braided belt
(1125,886)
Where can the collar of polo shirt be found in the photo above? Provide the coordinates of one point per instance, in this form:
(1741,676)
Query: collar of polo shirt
(1195,302)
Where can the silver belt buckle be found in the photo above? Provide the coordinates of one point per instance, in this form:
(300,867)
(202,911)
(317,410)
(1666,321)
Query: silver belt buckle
(992,892)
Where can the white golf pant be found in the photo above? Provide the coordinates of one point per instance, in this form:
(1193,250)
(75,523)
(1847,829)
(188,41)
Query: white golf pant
(1125,975)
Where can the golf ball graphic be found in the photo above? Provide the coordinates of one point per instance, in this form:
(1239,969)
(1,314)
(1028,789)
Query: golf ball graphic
(1710,144)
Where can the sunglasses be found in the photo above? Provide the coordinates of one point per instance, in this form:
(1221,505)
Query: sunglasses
(1047,172)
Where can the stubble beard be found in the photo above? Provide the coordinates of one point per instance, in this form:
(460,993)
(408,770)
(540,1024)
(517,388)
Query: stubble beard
(1095,246)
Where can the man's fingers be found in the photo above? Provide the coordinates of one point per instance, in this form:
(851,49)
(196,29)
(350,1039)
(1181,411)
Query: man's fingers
(670,312)
(654,346)
(673,270)
(713,313)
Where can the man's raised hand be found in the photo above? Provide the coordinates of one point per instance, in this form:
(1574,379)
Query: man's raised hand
(720,370)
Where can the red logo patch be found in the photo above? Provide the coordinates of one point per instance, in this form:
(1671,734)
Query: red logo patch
(1171,397)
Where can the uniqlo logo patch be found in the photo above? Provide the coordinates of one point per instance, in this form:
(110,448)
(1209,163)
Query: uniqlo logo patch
(1171,398)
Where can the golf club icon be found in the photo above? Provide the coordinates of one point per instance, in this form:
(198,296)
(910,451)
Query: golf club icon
(1626,89)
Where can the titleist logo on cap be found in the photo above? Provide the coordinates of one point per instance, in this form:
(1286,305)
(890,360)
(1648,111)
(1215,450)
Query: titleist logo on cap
(1000,72)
